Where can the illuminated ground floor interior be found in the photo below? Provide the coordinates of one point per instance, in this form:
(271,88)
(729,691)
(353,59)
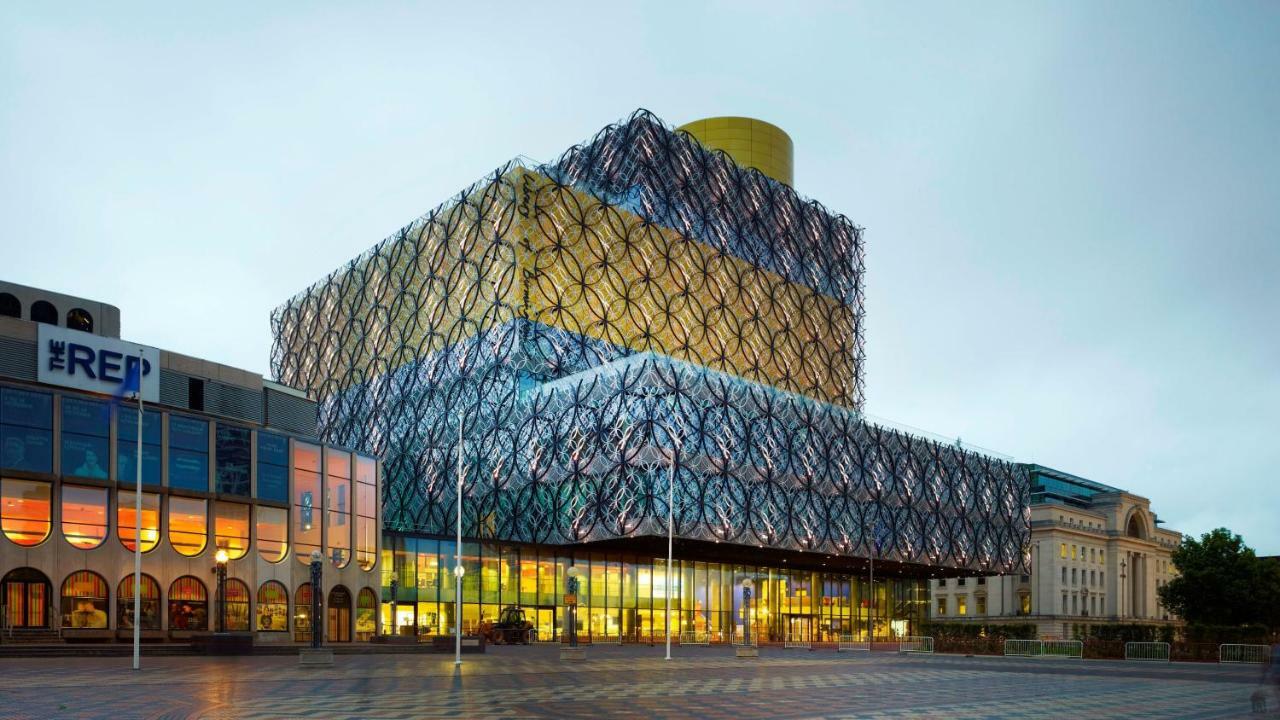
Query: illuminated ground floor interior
(623,595)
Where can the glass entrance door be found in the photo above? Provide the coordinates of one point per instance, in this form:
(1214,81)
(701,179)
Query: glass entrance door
(544,621)
(799,627)
(26,602)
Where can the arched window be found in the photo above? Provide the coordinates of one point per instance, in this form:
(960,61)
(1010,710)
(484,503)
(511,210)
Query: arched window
(231,528)
(84,600)
(366,615)
(43,311)
(307,507)
(84,516)
(24,513)
(302,613)
(188,604)
(1134,529)
(337,490)
(273,533)
(273,607)
(150,603)
(80,319)
(26,593)
(237,610)
(126,526)
(10,306)
(339,615)
(366,514)
(188,525)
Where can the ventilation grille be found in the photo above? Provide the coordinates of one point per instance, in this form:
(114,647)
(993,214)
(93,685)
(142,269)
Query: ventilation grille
(173,388)
(232,401)
(17,359)
(294,414)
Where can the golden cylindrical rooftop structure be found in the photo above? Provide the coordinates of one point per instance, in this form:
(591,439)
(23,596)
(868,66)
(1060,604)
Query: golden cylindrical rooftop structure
(750,142)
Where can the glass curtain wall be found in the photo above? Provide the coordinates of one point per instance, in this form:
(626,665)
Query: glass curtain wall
(623,598)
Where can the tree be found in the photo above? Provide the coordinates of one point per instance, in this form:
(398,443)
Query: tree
(1221,581)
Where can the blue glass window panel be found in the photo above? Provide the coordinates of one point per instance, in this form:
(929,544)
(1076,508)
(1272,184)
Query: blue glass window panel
(85,456)
(126,452)
(273,467)
(25,448)
(127,426)
(231,460)
(86,417)
(273,449)
(188,433)
(273,483)
(25,408)
(188,470)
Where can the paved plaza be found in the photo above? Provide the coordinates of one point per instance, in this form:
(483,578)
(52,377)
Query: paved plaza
(622,682)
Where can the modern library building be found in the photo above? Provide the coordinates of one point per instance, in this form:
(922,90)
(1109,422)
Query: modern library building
(654,332)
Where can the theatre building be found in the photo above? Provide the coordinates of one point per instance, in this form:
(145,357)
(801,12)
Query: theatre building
(229,462)
(653,329)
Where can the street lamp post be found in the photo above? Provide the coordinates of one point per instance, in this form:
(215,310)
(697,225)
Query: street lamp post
(395,624)
(317,569)
(458,572)
(1120,609)
(748,647)
(220,570)
(571,589)
(671,533)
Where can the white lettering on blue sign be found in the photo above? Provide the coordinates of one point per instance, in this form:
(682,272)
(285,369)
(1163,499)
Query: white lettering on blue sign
(85,361)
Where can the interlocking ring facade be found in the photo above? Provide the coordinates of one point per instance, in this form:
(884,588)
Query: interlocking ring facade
(642,304)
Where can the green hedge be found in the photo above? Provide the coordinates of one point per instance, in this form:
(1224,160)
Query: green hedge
(1246,634)
(1132,632)
(961,631)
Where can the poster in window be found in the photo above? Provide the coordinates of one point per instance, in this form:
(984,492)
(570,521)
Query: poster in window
(127,451)
(188,470)
(24,448)
(29,409)
(85,417)
(273,467)
(84,456)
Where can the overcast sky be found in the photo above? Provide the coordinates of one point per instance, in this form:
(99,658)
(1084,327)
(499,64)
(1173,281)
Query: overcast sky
(1072,211)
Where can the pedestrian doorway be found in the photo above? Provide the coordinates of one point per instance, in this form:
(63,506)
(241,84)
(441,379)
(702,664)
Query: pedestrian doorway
(26,599)
(339,625)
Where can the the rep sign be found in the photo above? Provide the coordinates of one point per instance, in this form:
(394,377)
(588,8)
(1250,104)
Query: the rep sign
(91,362)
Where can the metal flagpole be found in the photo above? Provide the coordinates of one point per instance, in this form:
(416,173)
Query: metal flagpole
(457,559)
(137,534)
(871,588)
(671,482)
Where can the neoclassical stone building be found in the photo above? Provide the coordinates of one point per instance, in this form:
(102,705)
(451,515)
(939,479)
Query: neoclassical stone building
(1098,555)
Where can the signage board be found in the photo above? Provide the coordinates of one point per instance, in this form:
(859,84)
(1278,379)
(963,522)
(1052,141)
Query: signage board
(85,361)
(570,599)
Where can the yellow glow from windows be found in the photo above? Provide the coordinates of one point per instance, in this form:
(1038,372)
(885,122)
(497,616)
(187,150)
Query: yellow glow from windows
(231,528)
(188,525)
(24,511)
(84,516)
(125,520)
(272,533)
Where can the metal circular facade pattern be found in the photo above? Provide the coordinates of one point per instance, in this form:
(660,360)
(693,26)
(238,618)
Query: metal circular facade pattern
(641,305)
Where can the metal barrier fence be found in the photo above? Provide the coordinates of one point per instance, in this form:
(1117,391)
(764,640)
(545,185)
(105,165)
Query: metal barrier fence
(1071,649)
(795,642)
(1235,653)
(915,644)
(1023,648)
(694,638)
(847,643)
(1154,651)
